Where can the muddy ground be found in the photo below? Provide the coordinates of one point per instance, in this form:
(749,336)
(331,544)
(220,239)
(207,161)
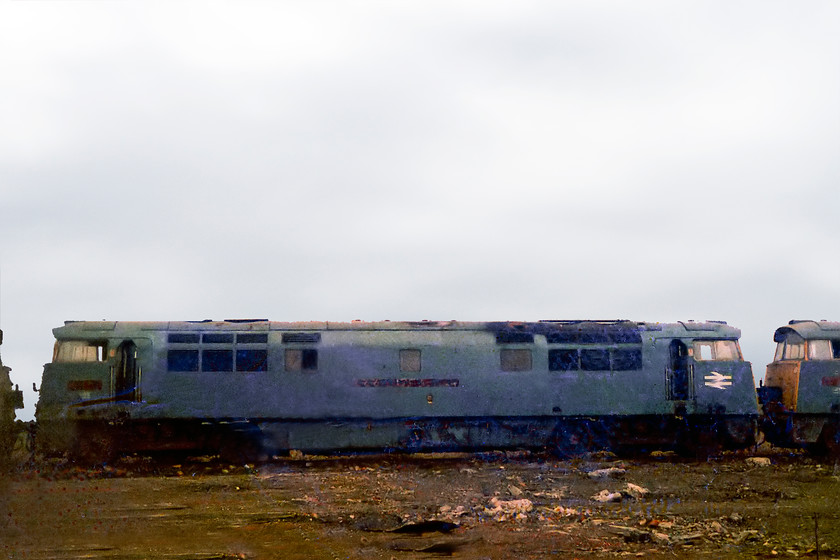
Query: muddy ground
(767,504)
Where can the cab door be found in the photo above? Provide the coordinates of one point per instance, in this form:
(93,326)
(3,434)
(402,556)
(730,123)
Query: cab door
(127,370)
(678,372)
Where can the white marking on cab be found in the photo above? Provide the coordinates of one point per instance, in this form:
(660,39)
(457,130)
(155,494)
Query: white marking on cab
(718,380)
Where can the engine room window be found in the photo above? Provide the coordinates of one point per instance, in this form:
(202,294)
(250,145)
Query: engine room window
(596,359)
(216,360)
(626,359)
(183,338)
(515,360)
(251,360)
(182,360)
(217,338)
(819,350)
(79,351)
(563,360)
(716,350)
(410,360)
(305,359)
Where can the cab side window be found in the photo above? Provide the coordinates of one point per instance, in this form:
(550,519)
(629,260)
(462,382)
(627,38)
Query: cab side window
(716,350)
(819,350)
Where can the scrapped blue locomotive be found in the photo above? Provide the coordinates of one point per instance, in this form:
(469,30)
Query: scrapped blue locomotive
(801,389)
(10,399)
(256,388)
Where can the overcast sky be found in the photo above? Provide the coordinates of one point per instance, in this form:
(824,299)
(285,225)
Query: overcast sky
(654,161)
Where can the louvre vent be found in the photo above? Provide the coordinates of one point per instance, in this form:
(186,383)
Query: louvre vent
(301,338)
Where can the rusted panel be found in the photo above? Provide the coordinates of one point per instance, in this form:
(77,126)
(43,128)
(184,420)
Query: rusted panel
(785,375)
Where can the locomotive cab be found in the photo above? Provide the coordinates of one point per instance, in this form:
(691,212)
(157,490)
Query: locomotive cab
(93,377)
(801,393)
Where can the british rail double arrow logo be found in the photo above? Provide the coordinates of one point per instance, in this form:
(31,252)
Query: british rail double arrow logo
(718,381)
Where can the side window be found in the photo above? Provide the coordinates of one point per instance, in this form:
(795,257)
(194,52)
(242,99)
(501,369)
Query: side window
(514,359)
(625,359)
(252,360)
(410,360)
(595,359)
(304,359)
(79,351)
(217,360)
(217,351)
(565,359)
(819,350)
(182,360)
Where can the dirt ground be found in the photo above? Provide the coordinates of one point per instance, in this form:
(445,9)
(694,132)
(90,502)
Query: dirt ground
(766,504)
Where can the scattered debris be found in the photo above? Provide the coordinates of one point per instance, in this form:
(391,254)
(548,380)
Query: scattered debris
(612,472)
(630,491)
(502,510)
(631,534)
(634,491)
(605,497)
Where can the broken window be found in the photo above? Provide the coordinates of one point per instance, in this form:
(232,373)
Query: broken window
(410,360)
(79,351)
(716,350)
(304,359)
(515,359)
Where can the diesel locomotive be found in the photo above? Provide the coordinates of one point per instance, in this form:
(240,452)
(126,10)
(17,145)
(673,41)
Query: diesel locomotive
(254,388)
(800,395)
(10,399)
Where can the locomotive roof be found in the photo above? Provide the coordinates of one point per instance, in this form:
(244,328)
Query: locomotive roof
(717,329)
(809,329)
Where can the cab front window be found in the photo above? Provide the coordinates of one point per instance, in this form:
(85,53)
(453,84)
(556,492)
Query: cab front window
(792,348)
(716,350)
(79,351)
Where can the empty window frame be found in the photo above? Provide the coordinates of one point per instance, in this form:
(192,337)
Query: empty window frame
(410,360)
(515,359)
(301,359)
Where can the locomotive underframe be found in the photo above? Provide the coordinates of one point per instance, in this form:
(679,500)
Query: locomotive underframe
(252,439)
